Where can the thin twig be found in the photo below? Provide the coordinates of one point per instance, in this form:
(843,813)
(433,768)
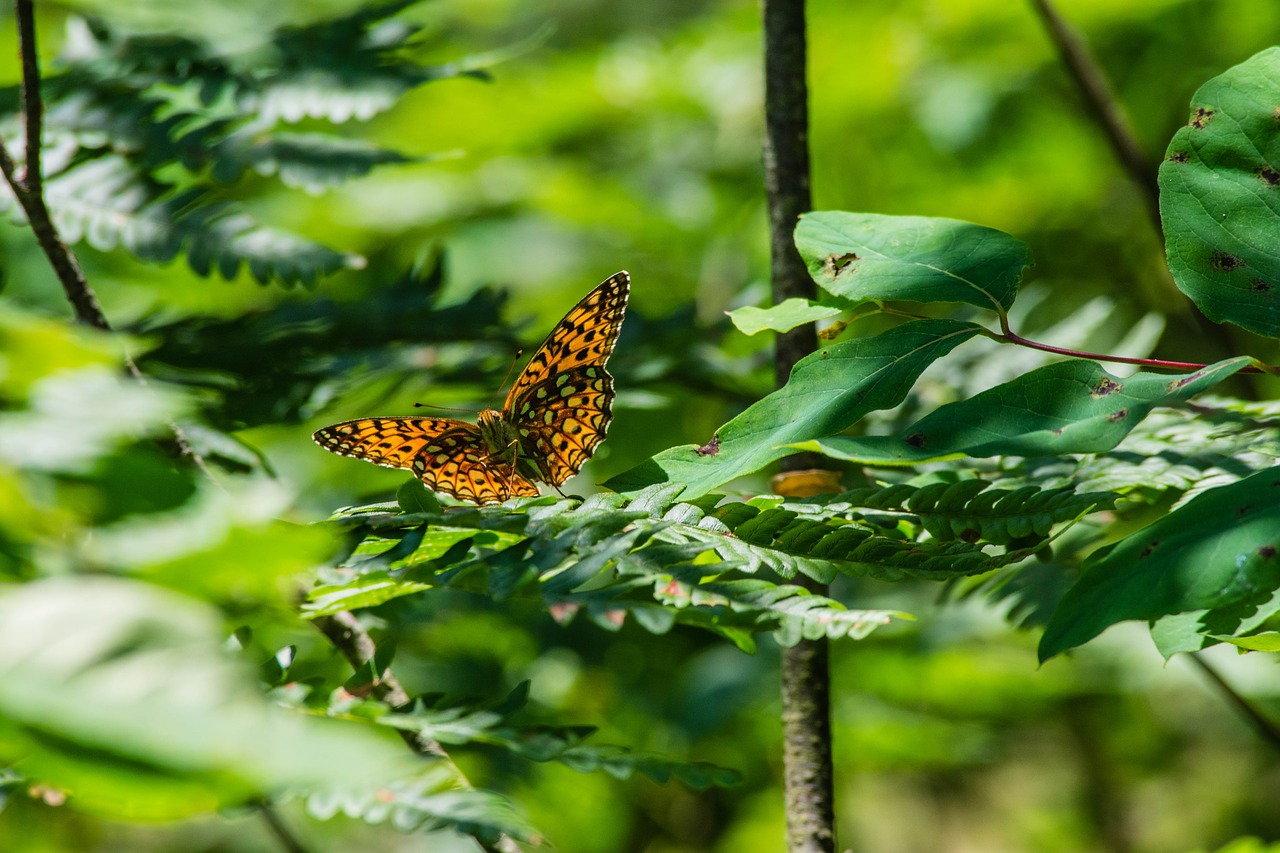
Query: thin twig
(32,102)
(28,189)
(287,839)
(350,638)
(1101,101)
(1265,728)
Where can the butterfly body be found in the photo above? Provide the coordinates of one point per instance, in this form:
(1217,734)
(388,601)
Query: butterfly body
(556,414)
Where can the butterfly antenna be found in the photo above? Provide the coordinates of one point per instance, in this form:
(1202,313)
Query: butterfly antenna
(442,408)
(514,362)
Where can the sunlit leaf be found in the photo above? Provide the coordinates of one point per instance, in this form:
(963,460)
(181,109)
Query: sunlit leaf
(827,392)
(1220,197)
(1065,407)
(120,693)
(872,256)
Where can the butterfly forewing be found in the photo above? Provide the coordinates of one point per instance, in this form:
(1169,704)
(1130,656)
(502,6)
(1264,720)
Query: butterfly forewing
(584,337)
(561,404)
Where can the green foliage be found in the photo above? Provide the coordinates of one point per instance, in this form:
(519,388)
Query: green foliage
(860,256)
(1217,187)
(664,562)
(278,364)
(143,133)
(1066,407)
(90,703)
(490,724)
(1217,554)
(828,391)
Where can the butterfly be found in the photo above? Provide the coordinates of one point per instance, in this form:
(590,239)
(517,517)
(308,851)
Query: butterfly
(553,419)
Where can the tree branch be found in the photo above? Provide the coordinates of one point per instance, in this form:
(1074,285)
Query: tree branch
(806,712)
(1265,728)
(288,841)
(350,638)
(1101,101)
(28,187)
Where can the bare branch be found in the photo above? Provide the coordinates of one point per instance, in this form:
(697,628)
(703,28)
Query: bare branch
(32,103)
(350,638)
(1101,101)
(1265,728)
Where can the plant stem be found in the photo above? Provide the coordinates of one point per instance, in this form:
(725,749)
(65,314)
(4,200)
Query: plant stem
(806,711)
(350,638)
(1266,729)
(288,841)
(28,186)
(28,189)
(1101,102)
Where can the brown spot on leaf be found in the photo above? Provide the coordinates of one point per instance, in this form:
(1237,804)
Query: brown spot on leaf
(1201,117)
(711,448)
(1267,551)
(1116,417)
(1223,262)
(1146,552)
(1104,387)
(1177,157)
(1257,285)
(1184,381)
(1244,510)
(915,439)
(1269,176)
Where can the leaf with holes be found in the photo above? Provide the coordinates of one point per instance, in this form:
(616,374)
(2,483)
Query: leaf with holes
(1066,407)
(828,391)
(1220,197)
(871,256)
(1219,550)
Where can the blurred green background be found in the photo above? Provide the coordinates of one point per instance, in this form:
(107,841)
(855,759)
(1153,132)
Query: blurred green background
(627,135)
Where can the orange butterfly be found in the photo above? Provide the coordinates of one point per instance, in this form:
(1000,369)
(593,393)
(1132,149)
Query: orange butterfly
(556,414)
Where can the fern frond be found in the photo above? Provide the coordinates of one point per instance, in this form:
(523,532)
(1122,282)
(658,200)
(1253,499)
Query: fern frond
(663,561)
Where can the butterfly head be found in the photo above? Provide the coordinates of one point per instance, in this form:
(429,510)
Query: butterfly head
(499,436)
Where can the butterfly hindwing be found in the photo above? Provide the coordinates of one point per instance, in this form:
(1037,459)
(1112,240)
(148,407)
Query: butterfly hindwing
(564,418)
(447,455)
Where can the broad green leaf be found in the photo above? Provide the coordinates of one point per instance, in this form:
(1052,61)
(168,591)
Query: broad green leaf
(784,316)
(1265,642)
(1219,550)
(872,256)
(828,391)
(1220,197)
(222,545)
(121,693)
(1065,407)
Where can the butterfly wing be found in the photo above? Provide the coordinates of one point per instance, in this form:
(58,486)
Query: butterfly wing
(447,455)
(561,403)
